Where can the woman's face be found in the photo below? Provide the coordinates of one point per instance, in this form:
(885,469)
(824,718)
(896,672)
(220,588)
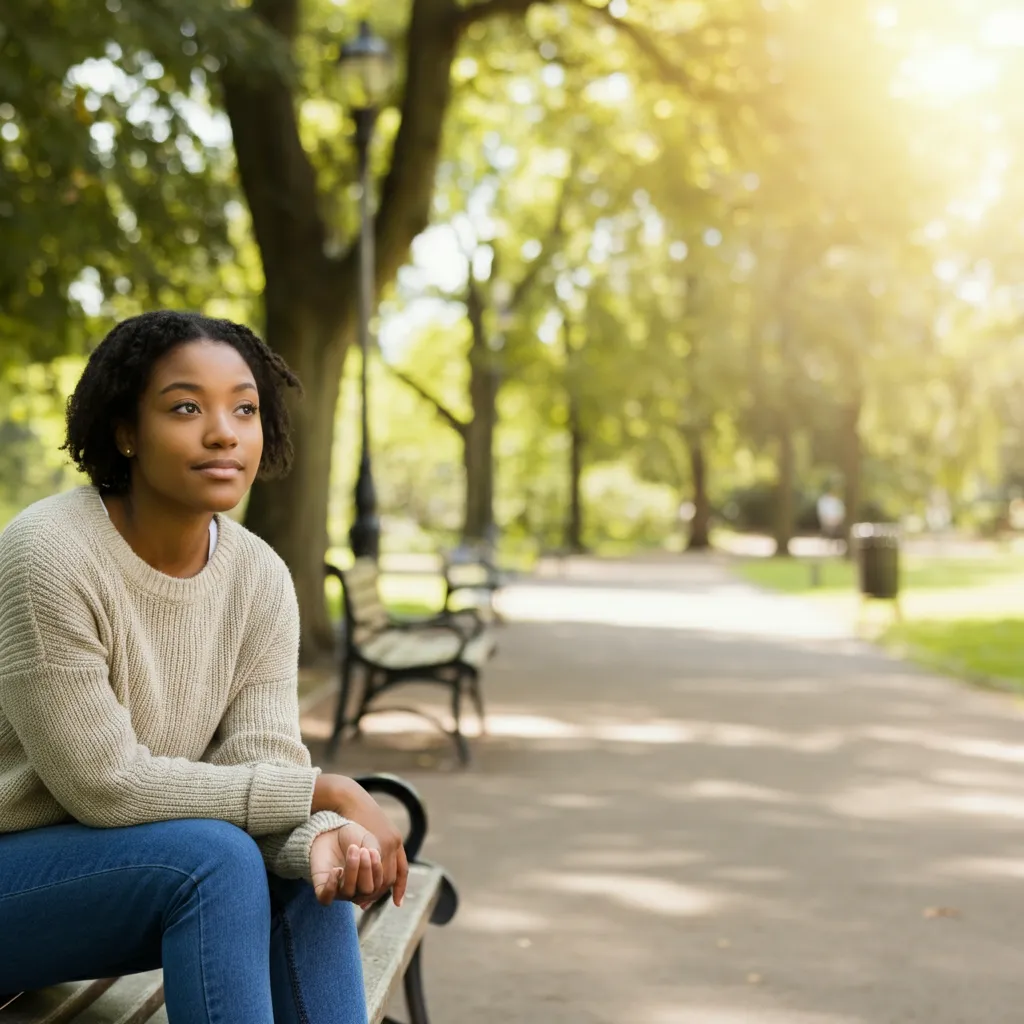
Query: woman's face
(198,439)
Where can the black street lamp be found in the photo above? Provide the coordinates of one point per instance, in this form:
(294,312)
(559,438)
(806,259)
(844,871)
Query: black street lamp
(366,71)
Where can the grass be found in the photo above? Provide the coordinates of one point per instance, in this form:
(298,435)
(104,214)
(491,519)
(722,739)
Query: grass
(404,594)
(982,650)
(962,616)
(796,575)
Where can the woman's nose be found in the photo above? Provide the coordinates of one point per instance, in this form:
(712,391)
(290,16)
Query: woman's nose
(221,432)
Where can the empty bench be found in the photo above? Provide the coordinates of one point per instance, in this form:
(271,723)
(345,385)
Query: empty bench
(449,649)
(390,941)
(472,580)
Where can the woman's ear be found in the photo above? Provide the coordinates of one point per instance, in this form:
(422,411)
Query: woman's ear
(124,438)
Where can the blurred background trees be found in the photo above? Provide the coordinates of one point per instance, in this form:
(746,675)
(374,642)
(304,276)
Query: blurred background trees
(648,268)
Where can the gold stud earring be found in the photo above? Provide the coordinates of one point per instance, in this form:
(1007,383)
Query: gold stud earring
(127,453)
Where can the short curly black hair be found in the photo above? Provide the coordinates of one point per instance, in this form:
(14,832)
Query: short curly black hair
(118,372)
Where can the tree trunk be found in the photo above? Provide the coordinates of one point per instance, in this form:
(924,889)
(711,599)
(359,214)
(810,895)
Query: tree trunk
(784,512)
(478,450)
(700,526)
(291,514)
(478,457)
(310,297)
(574,522)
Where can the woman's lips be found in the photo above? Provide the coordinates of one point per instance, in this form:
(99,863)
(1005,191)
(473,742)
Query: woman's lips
(219,469)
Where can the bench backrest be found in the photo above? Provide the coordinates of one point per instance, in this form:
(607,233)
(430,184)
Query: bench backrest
(365,613)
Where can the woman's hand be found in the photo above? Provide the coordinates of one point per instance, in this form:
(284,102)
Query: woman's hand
(346,797)
(345,864)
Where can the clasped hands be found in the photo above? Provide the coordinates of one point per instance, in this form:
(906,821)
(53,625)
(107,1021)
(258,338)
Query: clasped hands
(362,861)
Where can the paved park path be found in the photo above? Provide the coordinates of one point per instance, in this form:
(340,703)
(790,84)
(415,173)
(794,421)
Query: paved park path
(700,803)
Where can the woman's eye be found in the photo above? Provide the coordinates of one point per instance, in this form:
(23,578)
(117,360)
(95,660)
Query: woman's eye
(187,407)
(248,409)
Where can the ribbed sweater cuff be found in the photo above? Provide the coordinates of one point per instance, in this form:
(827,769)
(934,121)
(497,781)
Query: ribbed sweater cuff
(280,797)
(288,855)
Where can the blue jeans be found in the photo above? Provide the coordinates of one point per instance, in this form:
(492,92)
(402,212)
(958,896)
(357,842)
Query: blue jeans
(237,946)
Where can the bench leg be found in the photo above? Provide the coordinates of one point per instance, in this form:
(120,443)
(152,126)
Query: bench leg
(415,997)
(461,746)
(343,702)
(478,701)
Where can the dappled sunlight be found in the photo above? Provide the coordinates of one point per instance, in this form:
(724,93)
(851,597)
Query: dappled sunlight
(736,609)
(653,732)
(717,820)
(650,895)
(574,801)
(991,750)
(726,789)
(490,919)
(697,1012)
(633,860)
(993,869)
(904,799)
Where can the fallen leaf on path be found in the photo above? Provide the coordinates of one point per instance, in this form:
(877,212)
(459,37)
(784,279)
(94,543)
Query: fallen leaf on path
(932,912)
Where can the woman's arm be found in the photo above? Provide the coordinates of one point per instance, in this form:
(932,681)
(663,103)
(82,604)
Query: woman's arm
(261,725)
(80,742)
(55,691)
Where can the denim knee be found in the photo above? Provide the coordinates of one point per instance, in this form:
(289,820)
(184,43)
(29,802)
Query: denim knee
(225,846)
(208,849)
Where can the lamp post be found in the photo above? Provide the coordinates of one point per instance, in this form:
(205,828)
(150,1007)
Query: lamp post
(366,71)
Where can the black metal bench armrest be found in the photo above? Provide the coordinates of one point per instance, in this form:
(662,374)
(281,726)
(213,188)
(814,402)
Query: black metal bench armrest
(488,584)
(467,622)
(406,795)
(403,792)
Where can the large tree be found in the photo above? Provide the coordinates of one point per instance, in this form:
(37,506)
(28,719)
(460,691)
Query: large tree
(309,263)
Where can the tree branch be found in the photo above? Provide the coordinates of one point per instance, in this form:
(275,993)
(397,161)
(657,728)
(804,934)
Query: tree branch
(494,8)
(667,69)
(276,173)
(442,410)
(549,244)
(671,72)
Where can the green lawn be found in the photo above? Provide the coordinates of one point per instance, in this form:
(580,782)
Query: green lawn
(957,618)
(978,649)
(796,575)
(403,594)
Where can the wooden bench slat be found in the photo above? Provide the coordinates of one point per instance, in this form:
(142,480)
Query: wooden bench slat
(55,1005)
(132,1000)
(389,936)
(388,939)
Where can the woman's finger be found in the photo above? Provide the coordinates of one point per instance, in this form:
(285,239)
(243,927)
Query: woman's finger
(327,889)
(365,884)
(378,871)
(320,883)
(351,879)
(401,877)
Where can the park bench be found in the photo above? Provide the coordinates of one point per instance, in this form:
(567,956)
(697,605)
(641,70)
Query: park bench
(472,579)
(449,649)
(390,940)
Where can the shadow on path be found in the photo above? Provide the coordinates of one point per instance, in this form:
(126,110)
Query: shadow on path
(735,818)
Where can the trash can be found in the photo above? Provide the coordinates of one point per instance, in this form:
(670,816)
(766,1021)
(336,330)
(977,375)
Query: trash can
(878,559)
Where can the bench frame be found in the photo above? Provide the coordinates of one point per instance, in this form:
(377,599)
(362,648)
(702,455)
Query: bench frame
(446,899)
(455,563)
(457,675)
(384,930)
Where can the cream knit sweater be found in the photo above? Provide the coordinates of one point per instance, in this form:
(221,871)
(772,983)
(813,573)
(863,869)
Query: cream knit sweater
(128,696)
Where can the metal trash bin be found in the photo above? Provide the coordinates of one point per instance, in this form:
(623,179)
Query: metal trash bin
(878,559)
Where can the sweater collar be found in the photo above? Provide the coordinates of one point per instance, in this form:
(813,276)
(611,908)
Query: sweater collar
(140,573)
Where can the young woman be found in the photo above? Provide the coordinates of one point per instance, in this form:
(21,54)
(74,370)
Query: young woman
(157,805)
